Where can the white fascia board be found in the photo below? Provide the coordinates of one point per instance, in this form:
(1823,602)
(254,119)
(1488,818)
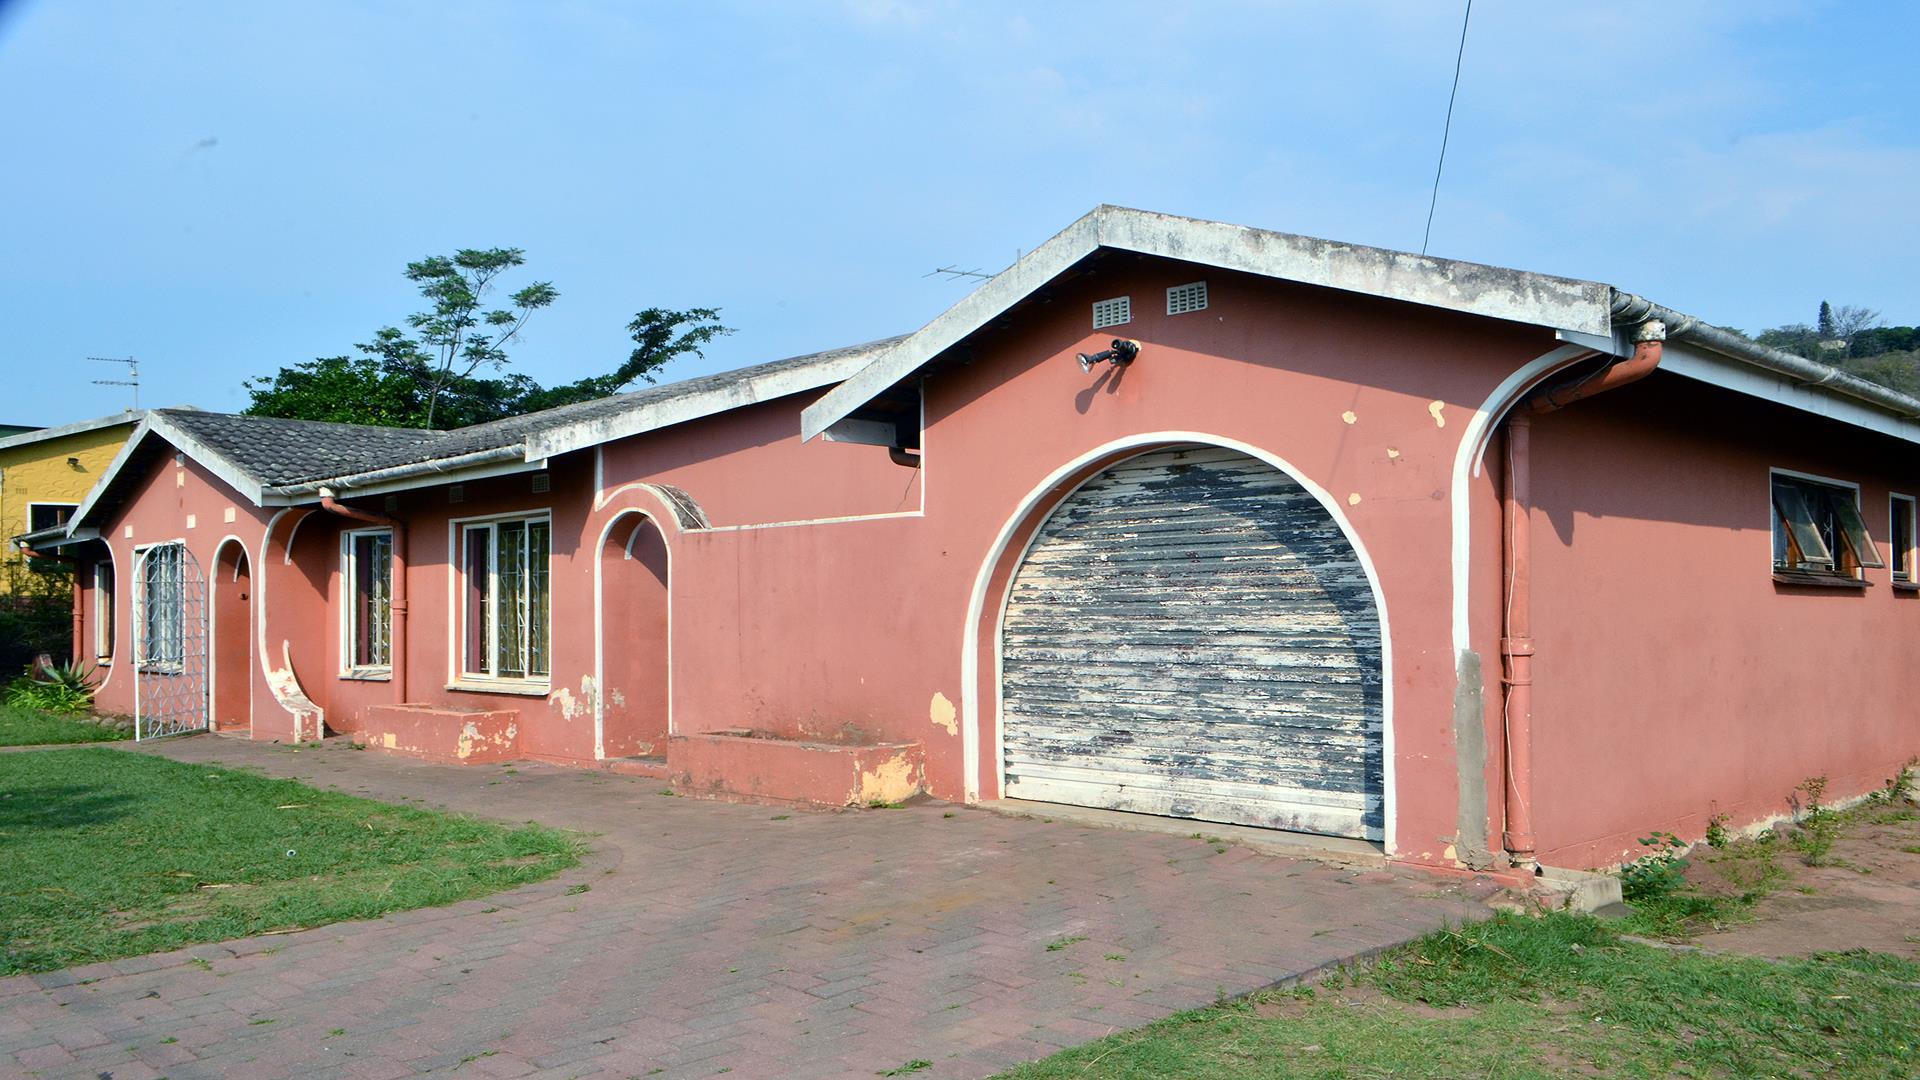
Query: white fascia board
(245,483)
(140,434)
(647,418)
(1471,288)
(154,426)
(1693,362)
(77,428)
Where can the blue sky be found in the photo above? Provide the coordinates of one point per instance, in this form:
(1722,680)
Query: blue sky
(225,189)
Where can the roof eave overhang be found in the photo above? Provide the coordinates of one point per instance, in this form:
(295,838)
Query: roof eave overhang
(1511,295)
(767,387)
(156,426)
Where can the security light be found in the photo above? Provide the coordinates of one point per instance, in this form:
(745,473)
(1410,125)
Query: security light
(1119,354)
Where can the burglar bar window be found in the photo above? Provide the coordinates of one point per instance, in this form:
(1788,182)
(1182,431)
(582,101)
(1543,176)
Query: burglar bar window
(1900,537)
(1817,530)
(162,608)
(506,597)
(369,607)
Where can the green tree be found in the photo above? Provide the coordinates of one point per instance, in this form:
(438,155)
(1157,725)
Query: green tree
(457,335)
(432,378)
(1825,322)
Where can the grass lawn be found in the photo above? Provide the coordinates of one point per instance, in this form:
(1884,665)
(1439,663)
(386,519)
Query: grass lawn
(31,727)
(107,854)
(1541,997)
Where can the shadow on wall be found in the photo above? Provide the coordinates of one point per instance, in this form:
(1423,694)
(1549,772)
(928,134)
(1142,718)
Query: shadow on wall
(1674,450)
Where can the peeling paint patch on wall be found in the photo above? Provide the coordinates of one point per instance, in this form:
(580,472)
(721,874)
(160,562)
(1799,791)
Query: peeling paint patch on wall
(1439,418)
(943,714)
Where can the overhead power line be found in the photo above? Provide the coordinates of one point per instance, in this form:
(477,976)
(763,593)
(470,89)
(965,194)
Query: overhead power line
(1447,131)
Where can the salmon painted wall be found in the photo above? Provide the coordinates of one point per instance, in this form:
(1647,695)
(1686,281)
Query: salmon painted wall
(748,467)
(554,723)
(184,501)
(1674,679)
(863,624)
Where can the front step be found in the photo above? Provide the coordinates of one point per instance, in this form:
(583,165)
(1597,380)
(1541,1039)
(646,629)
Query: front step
(651,767)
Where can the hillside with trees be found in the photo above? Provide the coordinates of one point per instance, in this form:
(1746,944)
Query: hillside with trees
(1856,341)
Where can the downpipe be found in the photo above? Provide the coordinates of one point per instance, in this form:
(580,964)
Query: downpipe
(1516,635)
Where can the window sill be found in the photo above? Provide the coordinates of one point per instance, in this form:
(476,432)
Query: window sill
(368,675)
(501,686)
(1906,586)
(1821,581)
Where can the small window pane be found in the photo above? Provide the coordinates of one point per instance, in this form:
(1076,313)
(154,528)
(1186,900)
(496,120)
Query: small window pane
(370,621)
(1846,512)
(1900,537)
(1795,512)
(103,610)
(479,573)
(510,593)
(538,540)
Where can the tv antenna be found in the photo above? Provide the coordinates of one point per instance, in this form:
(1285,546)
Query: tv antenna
(953,272)
(132,379)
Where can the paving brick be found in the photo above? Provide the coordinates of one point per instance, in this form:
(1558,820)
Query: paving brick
(835,945)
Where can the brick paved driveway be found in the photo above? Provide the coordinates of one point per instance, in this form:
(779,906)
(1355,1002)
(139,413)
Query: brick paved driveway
(718,938)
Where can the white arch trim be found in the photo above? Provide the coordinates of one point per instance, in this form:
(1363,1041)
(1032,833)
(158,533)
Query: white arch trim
(113,618)
(599,621)
(1466,465)
(283,684)
(976,605)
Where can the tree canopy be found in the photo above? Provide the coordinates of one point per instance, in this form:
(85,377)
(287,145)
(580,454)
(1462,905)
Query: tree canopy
(1854,340)
(449,368)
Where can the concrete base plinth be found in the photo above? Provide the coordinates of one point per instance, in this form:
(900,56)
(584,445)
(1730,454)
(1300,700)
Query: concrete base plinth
(460,736)
(763,768)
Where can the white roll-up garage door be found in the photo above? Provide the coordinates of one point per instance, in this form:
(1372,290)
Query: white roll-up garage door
(1192,635)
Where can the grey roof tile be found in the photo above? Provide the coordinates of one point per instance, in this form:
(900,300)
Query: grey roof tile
(281,452)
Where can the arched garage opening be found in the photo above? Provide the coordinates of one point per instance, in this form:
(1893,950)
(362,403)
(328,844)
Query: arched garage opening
(633,690)
(1191,634)
(231,611)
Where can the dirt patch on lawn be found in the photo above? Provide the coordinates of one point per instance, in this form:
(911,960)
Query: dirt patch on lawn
(1865,895)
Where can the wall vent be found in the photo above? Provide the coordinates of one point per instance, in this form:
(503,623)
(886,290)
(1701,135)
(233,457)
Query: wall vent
(1189,297)
(1112,312)
(457,493)
(542,483)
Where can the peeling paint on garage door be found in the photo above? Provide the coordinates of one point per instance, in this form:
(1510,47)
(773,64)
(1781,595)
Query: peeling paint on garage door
(1192,635)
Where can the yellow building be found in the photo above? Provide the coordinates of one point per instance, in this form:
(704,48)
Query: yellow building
(44,474)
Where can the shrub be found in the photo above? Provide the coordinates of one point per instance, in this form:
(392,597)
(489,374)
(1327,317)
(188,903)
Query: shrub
(58,688)
(1659,873)
(1819,826)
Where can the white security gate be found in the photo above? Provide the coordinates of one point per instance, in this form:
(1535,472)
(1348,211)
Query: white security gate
(170,692)
(1191,634)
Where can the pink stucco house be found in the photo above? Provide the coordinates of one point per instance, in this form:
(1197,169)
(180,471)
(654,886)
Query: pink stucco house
(1487,568)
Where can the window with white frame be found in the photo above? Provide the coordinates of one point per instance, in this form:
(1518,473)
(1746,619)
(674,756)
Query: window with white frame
(505,598)
(163,607)
(103,611)
(1900,523)
(1817,529)
(367,573)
